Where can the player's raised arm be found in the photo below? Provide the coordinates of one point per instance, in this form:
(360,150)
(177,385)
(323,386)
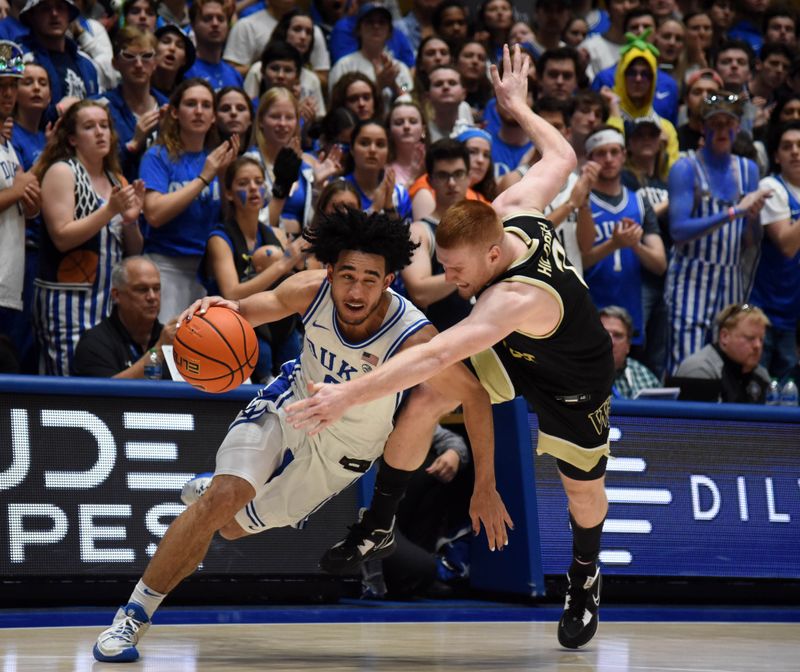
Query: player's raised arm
(546,177)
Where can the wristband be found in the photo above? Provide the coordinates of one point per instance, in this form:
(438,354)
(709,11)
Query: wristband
(204,180)
(731,213)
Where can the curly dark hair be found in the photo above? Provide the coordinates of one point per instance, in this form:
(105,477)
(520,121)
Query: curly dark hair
(371,233)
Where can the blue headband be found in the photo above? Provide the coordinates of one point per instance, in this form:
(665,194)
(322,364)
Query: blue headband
(469,133)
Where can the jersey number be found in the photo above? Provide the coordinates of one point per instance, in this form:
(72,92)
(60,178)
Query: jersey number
(561,261)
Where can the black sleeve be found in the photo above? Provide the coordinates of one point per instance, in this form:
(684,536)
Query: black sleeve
(650,223)
(96,357)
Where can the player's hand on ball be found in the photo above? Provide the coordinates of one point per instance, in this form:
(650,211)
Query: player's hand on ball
(486,506)
(202,305)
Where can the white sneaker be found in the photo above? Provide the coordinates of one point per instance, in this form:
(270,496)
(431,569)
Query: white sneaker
(118,643)
(195,488)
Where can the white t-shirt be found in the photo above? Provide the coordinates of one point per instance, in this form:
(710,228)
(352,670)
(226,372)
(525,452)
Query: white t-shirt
(249,36)
(464,120)
(96,44)
(602,53)
(776,208)
(567,231)
(12,235)
(357,62)
(309,86)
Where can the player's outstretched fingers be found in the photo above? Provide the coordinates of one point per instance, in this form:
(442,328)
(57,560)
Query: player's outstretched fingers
(186,315)
(506,60)
(206,302)
(476,523)
(495,535)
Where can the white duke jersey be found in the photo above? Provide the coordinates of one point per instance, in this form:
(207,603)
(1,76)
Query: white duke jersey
(328,357)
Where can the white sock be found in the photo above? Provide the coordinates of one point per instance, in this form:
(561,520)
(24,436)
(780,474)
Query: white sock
(148,598)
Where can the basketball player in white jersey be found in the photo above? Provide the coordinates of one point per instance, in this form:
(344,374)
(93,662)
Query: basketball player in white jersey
(353,323)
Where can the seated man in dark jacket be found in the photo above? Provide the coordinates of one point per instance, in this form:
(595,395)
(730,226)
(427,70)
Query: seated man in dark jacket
(118,347)
(734,357)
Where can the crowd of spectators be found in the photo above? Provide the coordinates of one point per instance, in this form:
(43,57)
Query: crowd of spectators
(155,151)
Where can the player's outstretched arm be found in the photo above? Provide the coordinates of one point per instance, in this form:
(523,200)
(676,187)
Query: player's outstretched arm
(293,296)
(497,313)
(458,384)
(546,177)
(486,506)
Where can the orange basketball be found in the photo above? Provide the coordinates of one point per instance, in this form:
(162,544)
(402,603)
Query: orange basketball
(78,266)
(216,351)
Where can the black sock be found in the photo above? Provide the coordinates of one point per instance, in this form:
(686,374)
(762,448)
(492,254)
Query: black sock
(585,548)
(390,486)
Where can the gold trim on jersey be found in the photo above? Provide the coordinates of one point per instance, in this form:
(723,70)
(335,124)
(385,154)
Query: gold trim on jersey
(531,243)
(541,285)
(585,459)
(493,376)
(530,213)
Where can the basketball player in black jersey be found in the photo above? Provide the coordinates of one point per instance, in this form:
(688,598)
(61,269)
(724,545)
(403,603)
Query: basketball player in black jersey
(533,331)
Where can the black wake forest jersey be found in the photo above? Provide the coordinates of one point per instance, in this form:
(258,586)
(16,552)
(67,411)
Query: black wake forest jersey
(575,359)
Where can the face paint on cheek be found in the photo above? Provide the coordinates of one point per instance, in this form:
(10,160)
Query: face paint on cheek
(242,194)
(262,190)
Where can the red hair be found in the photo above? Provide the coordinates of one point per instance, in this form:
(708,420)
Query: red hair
(468,223)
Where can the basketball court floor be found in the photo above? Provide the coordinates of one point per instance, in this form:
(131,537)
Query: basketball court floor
(434,643)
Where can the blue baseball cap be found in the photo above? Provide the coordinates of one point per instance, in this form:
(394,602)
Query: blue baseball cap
(373,8)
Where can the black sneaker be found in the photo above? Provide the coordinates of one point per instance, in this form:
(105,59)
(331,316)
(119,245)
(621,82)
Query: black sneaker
(360,545)
(579,621)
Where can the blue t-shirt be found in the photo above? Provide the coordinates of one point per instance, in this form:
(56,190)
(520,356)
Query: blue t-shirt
(125,125)
(219,75)
(616,280)
(69,74)
(507,157)
(28,146)
(665,99)
(343,41)
(12,29)
(295,205)
(491,118)
(777,284)
(402,201)
(749,32)
(187,233)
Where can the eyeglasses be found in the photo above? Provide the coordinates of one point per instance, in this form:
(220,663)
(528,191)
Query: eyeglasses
(444,176)
(146,57)
(639,73)
(726,317)
(721,99)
